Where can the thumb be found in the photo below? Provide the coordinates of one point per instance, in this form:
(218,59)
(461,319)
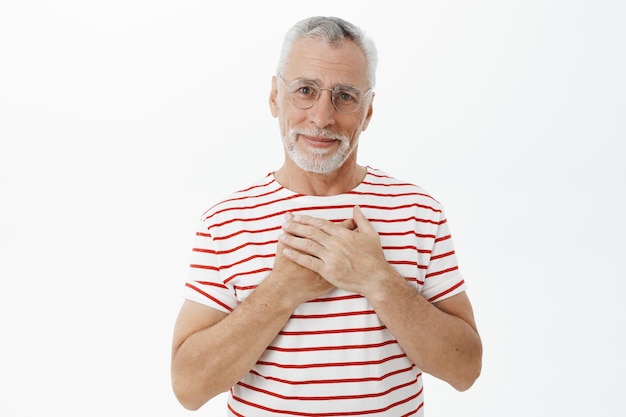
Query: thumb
(362,224)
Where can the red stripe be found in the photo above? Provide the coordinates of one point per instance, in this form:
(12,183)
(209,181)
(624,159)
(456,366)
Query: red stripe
(445,271)
(247,197)
(212,268)
(327,348)
(400,207)
(278,213)
(335,331)
(268,176)
(270,229)
(442,238)
(234,412)
(334,414)
(340,298)
(269,242)
(411,263)
(209,251)
(328,398)
(213,284)
(442,255)
(256,271)
(249,258)
(245,288)
(446,292)
(322,316)
(406,219)
(386,194)
(409,247)
(222,252)
(378,184)
(331,364)
(410,232)
(255,206)
(415,280)
(215,300)
(337,381)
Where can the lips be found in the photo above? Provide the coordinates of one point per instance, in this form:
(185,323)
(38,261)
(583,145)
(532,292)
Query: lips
(317,141)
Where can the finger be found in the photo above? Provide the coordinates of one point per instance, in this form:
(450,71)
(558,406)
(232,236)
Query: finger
(307,261)
(362,223)
(348,224)
(303,245)
(326,226)
(311,228)
(309,220)
(302,230)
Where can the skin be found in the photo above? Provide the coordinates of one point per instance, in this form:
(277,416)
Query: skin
(312,59)
(315,255)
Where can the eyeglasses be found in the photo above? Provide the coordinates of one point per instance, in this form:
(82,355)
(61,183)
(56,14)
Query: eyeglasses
(303,94)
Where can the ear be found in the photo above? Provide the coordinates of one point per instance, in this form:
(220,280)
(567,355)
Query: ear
(368,115)
(274,97)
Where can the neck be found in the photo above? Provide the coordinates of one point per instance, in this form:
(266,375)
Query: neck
(337,182)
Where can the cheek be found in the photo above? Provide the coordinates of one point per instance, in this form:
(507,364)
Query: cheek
(290,117)
(356,123)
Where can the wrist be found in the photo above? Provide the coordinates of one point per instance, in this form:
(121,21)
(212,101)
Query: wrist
(383,283)
(274,292)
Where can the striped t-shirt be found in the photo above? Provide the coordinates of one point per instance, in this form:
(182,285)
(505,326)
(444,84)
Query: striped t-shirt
(334,357)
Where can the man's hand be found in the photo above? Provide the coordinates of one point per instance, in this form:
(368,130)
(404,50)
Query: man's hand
(302,284)
(347,255)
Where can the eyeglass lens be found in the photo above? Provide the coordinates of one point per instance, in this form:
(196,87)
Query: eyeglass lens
(304,94)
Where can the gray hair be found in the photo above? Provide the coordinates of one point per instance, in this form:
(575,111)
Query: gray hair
(333,30)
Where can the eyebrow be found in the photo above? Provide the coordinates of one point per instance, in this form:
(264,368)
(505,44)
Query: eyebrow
(317,82)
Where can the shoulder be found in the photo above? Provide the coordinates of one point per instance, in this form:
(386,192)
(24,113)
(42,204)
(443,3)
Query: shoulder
(379,181)
(252,194)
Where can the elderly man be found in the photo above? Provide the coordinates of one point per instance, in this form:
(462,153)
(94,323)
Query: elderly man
(325,288)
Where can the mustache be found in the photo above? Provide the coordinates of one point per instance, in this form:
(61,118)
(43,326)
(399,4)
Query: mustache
(320,133)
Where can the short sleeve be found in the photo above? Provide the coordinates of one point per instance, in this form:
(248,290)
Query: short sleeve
(205,284)
(443,278)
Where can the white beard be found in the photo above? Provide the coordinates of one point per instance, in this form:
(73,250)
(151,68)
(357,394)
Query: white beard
(319,161)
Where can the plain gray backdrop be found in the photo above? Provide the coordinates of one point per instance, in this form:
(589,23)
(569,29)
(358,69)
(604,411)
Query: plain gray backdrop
(122,121)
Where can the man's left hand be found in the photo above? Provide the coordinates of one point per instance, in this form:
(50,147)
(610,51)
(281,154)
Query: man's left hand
(351,258)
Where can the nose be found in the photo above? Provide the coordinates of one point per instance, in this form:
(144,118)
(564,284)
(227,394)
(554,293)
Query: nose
(322,114)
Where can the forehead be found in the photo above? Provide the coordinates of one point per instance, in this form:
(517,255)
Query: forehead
(314,59)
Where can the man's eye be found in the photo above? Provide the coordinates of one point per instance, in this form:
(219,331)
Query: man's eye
(305,90)
(345,96)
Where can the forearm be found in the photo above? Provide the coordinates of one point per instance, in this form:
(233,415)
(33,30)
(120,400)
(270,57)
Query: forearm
(441,344)
(213,359)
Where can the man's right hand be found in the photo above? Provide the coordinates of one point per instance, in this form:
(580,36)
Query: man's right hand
(299,283)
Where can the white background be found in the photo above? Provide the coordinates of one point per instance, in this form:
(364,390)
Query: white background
(121,121)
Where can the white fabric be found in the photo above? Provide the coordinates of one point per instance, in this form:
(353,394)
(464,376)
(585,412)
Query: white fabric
(334,356)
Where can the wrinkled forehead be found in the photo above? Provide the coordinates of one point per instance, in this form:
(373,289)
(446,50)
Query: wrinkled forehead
(315,59)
